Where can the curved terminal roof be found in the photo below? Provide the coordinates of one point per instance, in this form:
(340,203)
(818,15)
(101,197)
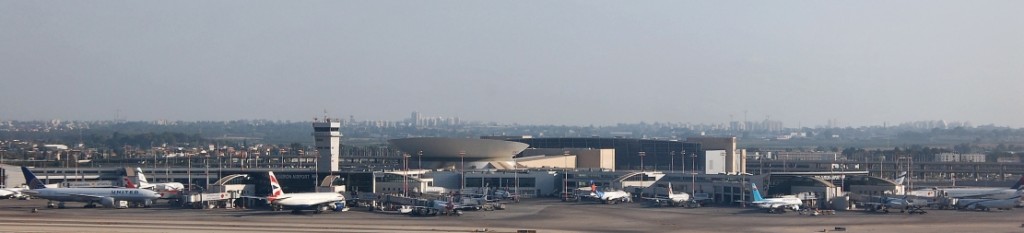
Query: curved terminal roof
(449,149)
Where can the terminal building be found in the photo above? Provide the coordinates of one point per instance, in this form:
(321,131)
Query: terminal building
(458,153)
(531,167)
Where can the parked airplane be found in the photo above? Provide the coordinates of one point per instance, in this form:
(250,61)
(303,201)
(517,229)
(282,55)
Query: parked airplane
(319,202)
(673,199)
(906,203)
(448,207)
(107,197)
(4,193)
(988,204)
(609,197)
(775,204)
(903,204)
(984,193)
(168,190)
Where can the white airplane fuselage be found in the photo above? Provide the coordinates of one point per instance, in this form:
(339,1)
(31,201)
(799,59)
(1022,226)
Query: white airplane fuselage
(612,196)
(296,201)
(94,194)
(980,193)
(167,190)
(785,202)
(986,204)
(302,200)
(778,202)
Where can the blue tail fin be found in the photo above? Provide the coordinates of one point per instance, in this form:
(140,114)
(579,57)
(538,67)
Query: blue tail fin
(755,193)
(33,182)
(902,178)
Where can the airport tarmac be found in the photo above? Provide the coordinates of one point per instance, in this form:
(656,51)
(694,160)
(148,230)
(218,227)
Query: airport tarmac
(543,215)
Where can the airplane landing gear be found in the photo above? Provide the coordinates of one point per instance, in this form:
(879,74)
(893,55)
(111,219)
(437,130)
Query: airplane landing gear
(321,208)
(50,205)
(61,205)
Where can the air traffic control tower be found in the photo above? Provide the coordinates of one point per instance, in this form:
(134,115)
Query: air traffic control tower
(328,143)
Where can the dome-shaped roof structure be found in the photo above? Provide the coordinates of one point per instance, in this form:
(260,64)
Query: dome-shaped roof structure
(449,149)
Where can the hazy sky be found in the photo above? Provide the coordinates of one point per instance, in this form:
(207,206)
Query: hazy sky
(530,62)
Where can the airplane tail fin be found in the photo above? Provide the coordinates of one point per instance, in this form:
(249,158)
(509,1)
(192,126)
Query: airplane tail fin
(33,182)
(1019,184)
(142,177)
(756,195)
(902,178)
(128,183)
(275,187)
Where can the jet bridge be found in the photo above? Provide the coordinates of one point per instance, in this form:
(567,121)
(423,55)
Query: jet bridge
(227,192)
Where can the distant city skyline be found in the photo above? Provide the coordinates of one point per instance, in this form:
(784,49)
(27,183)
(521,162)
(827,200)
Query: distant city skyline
(804,63)
(421,119)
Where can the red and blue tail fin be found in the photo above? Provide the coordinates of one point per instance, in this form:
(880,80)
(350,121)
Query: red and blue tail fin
(128,183)
(1019,184)
(275,188)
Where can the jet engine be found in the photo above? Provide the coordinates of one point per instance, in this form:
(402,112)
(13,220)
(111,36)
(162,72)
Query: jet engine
(107,202)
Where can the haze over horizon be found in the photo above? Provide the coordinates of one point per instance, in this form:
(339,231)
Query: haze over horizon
(527,62)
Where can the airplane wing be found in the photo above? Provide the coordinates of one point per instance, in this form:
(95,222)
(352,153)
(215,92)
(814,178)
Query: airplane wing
(309,204)
(265,198)
(281,198)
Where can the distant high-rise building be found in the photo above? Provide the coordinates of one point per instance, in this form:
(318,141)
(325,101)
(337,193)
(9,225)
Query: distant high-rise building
(416,119)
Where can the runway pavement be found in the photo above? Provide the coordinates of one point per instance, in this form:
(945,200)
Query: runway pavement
(543,215)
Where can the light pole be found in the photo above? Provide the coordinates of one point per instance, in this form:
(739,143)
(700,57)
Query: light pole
(515,169)
(206,163)
(405,178)
(565,174)
(693,174)
(316,176)
(3,181)
(672,162)
(462,170)
(189,158)
(419,158)
(642,155)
